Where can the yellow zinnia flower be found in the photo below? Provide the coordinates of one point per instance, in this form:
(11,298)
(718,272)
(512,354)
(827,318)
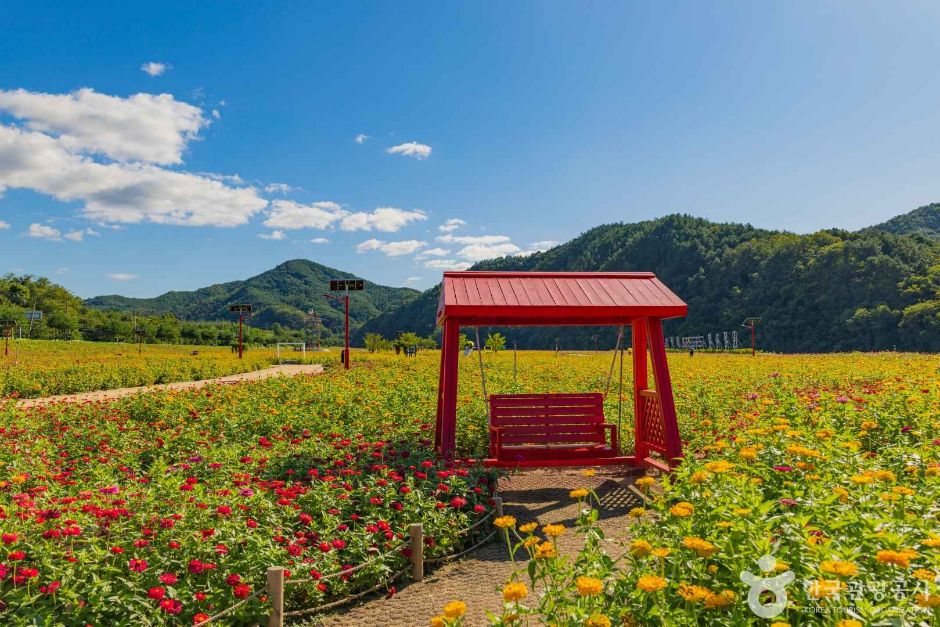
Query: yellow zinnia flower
(580,493)
(640,548)
(504,522)
(682,509)
(597,620)
(545,550)
(529,527)
(720,600)
(702,548)
(840,568)
(514,592)
(650,583)
(455,609)
(553,531)
(589,586)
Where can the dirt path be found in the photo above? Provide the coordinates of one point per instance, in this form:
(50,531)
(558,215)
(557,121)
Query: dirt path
(478,577)
(101,395)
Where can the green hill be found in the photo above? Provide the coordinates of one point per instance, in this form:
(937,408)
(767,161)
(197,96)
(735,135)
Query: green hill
(831,290)
(282,295)
(921,221)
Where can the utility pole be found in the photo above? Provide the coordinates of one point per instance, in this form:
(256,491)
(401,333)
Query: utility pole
(345,285)
(751,323)
(241,309)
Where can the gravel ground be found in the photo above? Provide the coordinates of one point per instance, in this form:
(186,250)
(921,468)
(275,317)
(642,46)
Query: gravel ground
(477,578)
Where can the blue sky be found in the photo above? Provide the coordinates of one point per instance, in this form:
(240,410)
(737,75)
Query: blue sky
(528,122)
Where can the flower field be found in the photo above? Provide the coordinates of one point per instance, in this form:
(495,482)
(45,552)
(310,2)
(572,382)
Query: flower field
(168,508)
(829,464)
(45,368)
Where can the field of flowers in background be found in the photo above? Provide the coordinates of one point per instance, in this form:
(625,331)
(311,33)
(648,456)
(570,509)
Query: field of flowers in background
(45,368)
(165,508)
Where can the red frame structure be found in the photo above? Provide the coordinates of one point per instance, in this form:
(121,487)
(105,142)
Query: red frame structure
(635,299)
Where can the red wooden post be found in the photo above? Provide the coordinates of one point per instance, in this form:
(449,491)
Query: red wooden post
(664,390)
(449,402)
(347,329)
(641,450)
(240,318)
(440,396)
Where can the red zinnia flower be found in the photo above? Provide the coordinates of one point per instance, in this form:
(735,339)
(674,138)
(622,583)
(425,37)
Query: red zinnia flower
(241,590)
(156,593)
(171,606)
(168,578)
(138,566)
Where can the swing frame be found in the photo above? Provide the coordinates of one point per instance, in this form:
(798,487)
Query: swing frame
(522,299)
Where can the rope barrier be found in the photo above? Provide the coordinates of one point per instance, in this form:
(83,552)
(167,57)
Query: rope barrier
(290,582)
(476,524)
(231,609)
(447,558)
(358,595)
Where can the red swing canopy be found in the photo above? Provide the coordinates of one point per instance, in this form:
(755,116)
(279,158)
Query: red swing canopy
(637,299)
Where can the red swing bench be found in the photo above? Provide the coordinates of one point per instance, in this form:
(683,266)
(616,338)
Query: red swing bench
(533,430)
(543,427)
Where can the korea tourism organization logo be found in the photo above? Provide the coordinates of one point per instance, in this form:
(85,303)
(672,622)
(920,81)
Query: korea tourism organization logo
(775,585)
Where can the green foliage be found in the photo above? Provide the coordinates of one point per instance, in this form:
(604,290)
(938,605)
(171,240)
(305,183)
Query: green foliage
(495,342)
(831,290)
(923,220)
(282,295)
(375,342)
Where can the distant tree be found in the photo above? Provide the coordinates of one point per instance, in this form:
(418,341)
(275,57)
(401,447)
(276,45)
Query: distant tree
(375,342)
(495,342)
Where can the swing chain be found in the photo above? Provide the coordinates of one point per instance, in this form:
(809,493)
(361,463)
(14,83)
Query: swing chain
(610,375)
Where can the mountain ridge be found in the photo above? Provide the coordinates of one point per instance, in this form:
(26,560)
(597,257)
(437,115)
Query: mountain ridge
(829,290)
(280,295)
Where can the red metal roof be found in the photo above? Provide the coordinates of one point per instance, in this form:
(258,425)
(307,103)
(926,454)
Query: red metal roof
(555,298)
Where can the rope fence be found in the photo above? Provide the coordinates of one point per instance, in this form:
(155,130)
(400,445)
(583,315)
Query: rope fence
(277,580)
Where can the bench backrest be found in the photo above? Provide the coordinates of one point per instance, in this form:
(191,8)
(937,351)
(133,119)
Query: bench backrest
(548,418)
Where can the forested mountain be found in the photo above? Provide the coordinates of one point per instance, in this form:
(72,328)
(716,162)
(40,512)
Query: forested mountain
(921,221)
(282,295)
(831,290)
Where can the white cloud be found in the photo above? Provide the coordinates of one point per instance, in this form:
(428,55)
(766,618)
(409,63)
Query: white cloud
(412,279)
(287,214)
(79,234)
(544,244)
(451,225)
(361,138)
(392,249)
(479,252)
(385,219)
(433,252)
(319,240)
(411,149)
(118,192)
(4,225)
(216,114)
(122,276)
(154,68)
(473,239)
(280,188)
(61,270)
(142,127)
(43,231)
(447,264)
(273,235)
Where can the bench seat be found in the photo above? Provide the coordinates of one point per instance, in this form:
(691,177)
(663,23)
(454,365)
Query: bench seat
(527,427)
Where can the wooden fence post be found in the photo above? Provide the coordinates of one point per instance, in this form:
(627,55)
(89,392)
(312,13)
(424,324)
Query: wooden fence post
(276,596)
(498,502)
(416,533)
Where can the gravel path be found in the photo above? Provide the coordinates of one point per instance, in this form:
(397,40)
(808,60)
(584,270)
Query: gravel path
(102,395)
(477,578)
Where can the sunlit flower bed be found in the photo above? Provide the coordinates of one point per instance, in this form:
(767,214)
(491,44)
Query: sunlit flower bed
(829,465)
(44,368)
(168,508)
